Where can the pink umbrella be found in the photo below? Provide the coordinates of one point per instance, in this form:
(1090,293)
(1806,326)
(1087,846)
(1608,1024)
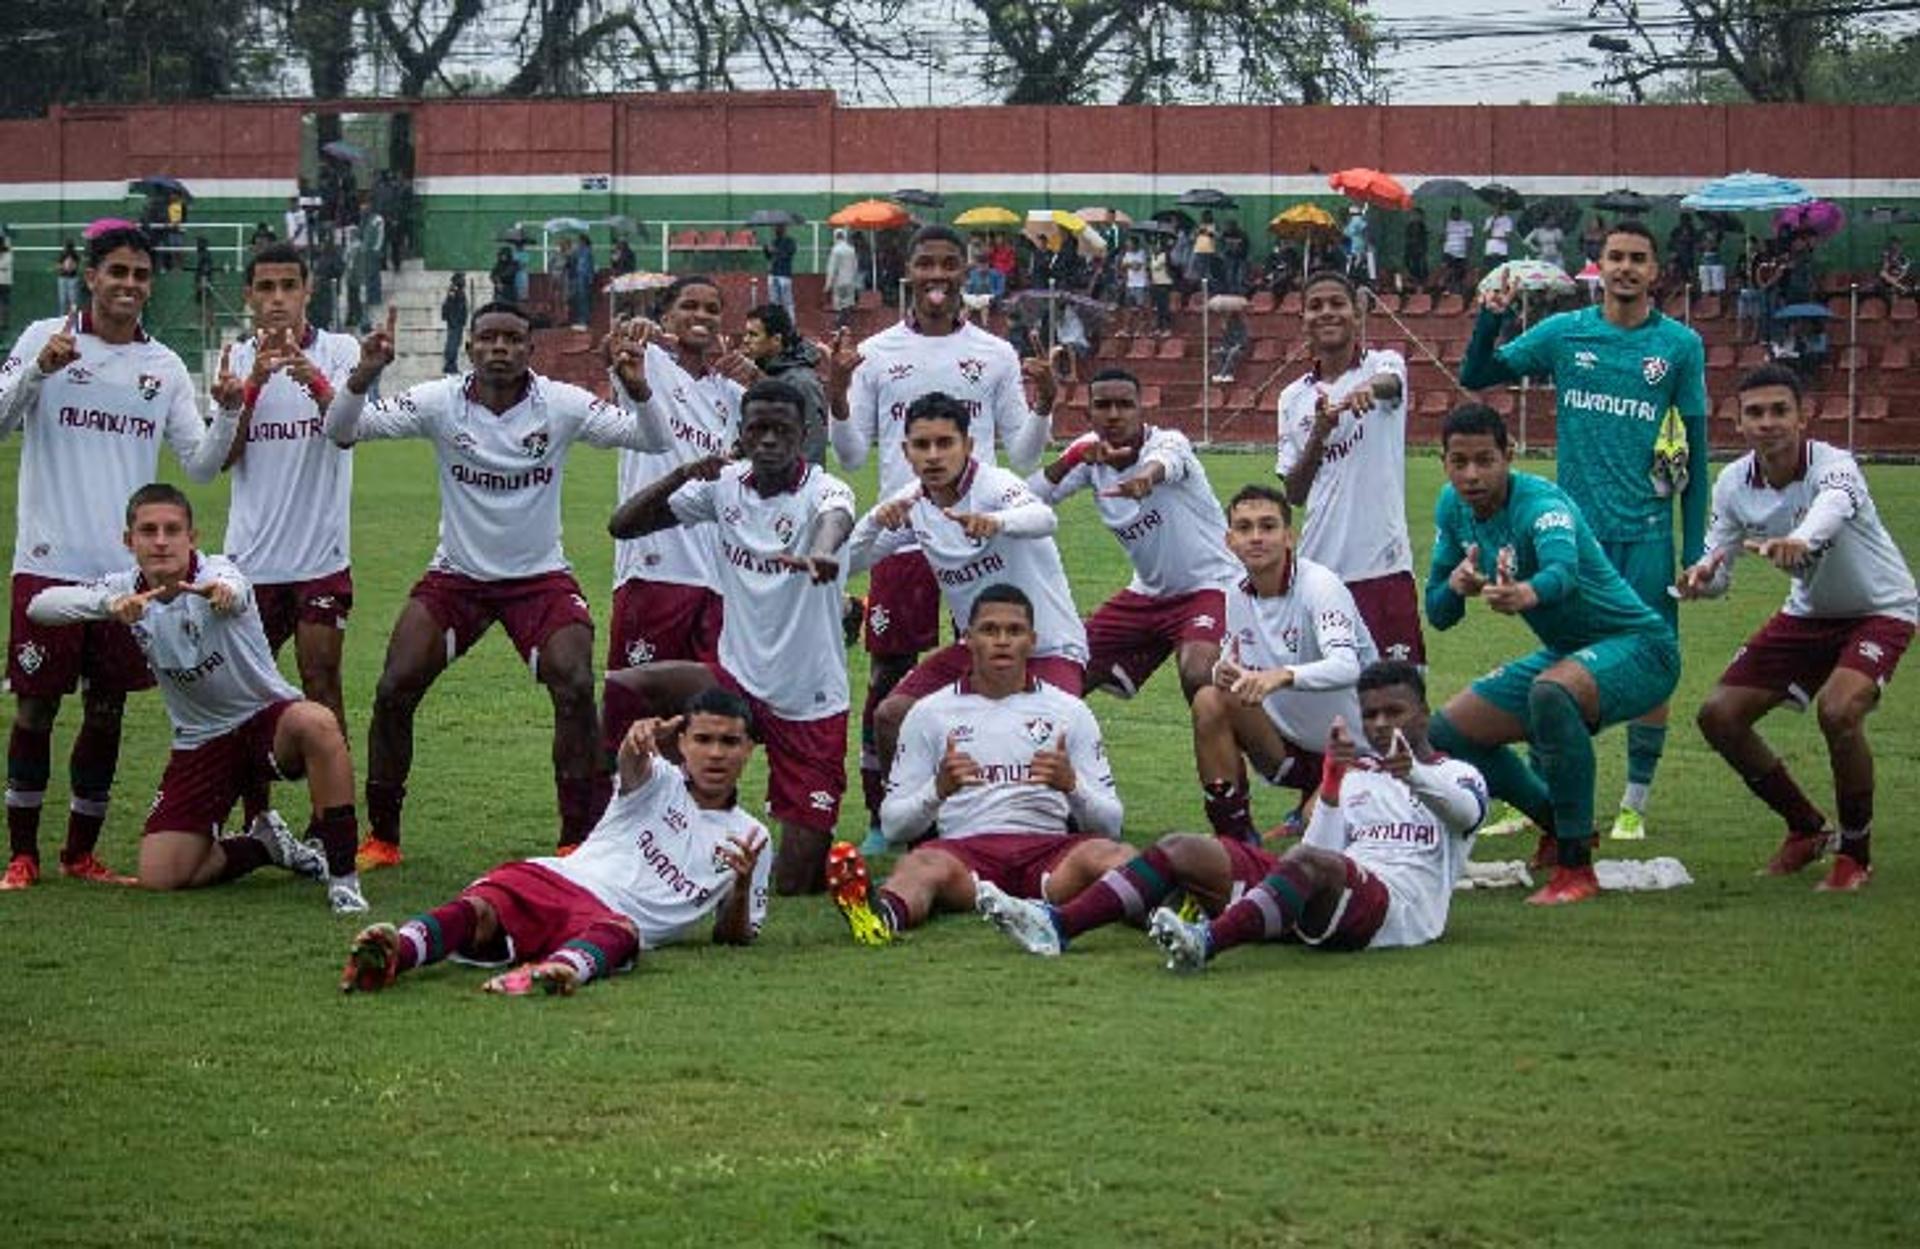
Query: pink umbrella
(1819,217)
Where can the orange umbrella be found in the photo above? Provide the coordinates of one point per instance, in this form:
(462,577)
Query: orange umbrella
(870,214)
(1370,186)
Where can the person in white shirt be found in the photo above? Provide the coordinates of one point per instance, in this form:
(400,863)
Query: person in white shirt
(1390,836)
(1343,453)
(1294,647)
(1456,240)
(1153,494)
(1003,765)
(1133,268)
(869,390)
(777,523)
(1803,506)
(501,435)
(673,848)
(236,722)
(295,231)
(1499,231)
(92,396)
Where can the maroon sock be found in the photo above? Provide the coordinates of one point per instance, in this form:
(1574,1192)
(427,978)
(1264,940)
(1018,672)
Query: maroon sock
(255,800)
(1265,912)
(431,937)
(337,829)
(29,763)
(1129,892)
(242,855)
(383,809)
(582,799)
(1230,810)
(1856,826)
(894,910)
(1780,791)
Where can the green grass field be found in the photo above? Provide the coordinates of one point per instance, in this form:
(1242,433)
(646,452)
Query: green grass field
(1731,1064)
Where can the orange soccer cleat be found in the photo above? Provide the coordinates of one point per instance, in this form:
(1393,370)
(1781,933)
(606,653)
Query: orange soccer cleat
(375,853)
(852,891)
(1796,852)
(23,870)
(373,960)
(1847,875)
(1567,886)
(88,867)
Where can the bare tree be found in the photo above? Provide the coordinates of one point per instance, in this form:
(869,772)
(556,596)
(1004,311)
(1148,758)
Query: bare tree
(1768,48)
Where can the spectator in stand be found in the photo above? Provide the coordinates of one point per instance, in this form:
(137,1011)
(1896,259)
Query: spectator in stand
(505,276)
(1454,247)
(1801,282)
(296,229)
(1414,244)
(1360,259)
(1160,271)
(1545,242)
(580,283)
(623,261)
(1896,270)
(980,282)
(1233,341)
(1593,238)
(1235,251)
(1135,288)
(1713,267)
(1181,255)
(67,277)
(780,251)
(1498,230)
(1683,250)
(324,303)
(453,314)
(262,235)
(1204,266)
(1282,268)
(203,271)
(1004,260)
(843,279)
(402,226)
(522,272)
(353,260)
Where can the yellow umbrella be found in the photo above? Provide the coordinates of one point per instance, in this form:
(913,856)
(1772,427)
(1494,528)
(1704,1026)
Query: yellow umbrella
(1042,222)
(988,217)
(1303,221)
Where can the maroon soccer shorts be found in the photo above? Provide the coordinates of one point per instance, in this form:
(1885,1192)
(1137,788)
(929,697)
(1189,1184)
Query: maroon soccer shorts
(1358,914)
(1391,607)
(285,605)
(540,911)
(953,661)
(806,761)
(1246,865)
(1131,635)
(655,621)
(903,606)
(530,609)
(201,785)
(48,661)
(1794,655)
(1016,862)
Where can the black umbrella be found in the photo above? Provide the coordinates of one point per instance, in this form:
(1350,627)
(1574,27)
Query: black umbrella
(1174,217)
(1500,195)
(1207,197)
(1622,200)
(163,184)
(775,217)
(620,223)
(1442,188)
(515,235)
(1555,210)
(1151,227)
(918,198)
(340,149)
(1725,223)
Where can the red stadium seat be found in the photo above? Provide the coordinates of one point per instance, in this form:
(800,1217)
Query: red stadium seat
(1720,356)
(1752,356)
(1150,397)
(1896,357)
(1874,408)
(1141,349)
(1729,409)
(1905,309)
(1450,305)
(1707,308)
(1437,402)
(1290,306)
(1262,302)
(1196,301)
(743,240)
(1852,358)
(1502,401)
(1387,301)
(1174,348)
(1242,398)
(684,240)
(1419,304)
(1267,350)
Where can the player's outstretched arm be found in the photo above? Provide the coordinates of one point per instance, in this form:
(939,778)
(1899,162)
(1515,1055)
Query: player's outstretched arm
(37,356)
(201,446)
(1027,429)
(80,604)
(651,510)
(640,749)
(1482,367)
(882,531)
(1454,792)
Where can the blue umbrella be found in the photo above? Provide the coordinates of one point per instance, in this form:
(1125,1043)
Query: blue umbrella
(572,225)
(1803,312)
(1747,192)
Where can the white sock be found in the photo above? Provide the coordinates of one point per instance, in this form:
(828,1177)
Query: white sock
(1635,797)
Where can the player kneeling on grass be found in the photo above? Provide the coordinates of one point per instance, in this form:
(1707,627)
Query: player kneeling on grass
(1803,506)
(673,847)
(1388,839)
(237,724)
(1003,762)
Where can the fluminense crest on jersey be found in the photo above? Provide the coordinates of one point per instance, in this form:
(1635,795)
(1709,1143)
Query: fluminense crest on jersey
(536,443)
(783,528)
(1653,368)
(639,651)
(149,386)
(1039,730)
(972,369)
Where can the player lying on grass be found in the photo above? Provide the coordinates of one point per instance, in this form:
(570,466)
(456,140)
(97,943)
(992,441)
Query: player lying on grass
(237,724)
(673,848)
(1002,762)
(1294,647)
(1517,543)
(1803,506)
(1388,839)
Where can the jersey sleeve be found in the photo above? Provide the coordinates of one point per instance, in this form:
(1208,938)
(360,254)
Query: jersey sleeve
(1551,532)
(1173,453)
(76,604)
(1444,607)
(912,803)
(200,446)
(757,886)
(1022,513)
(20,378)
(1290,445)
(1327,826)
(1095,802)
(835,496)
(692,503)
(1725,537)
(1023,431)
(1532,353)
(351,419)
(1839,492)
(1336,631)
(1453,791)
(853,437)
(612,425)
(1690,396)
(872,542)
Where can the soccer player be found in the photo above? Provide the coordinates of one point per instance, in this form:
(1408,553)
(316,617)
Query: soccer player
(673,848)
(1388,839)
(236,722)
(869,389)
(665,605)
(1294,647)
(1519,544)
(779,523)
(1803,506)
(92,395)
(1153,494)
(1632,434)
(1343,453)
(974,524)
(1000,762)
(292,487)
(501,434)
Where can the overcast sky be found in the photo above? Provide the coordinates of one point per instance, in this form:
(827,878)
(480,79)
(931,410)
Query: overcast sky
(1471,69)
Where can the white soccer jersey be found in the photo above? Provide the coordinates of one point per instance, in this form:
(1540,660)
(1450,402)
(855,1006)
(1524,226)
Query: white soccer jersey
(784,643)
(215,671)
(500,473)
(1853,567)
(1357,505)
(654,857)
(701,415)
(1415,835)
(292,486)
(1022,554)
(1312,627)
(1177,535)
(900,364)
(91,437)
(1001,736)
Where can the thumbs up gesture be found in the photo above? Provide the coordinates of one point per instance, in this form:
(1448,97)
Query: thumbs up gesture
(958,769)
(1053,767)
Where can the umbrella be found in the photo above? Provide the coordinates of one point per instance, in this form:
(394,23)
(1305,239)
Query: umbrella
(1500,195)
(1151,227)
(1627,202)
(1747,192)
(870,214)
(641,282)
(988,217)
(1528,275)
(774,217)
(163,184)
(515,235)
(1442,188)
(1304,221)
(1207,197)
(620,223)
(1174,217)
(1370,186)
(1044,221)
(1555,210)
(1820,218)
(918,198)
(340,149)
(1027,299)
(1803,312)
(565,225)
(1227,303)
(1103,216)
(1590,274)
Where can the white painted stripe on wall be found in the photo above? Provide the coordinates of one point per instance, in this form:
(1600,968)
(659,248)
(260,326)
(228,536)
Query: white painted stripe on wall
(202,188)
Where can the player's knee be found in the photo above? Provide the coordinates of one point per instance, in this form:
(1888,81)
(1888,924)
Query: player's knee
(1211,707)
(1719,720)
(1183,850)
(36,715)
(399,689)
(571,688)
(1551,703)
(1841,715)
(320,678)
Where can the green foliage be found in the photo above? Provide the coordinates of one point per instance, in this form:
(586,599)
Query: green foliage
(92,51)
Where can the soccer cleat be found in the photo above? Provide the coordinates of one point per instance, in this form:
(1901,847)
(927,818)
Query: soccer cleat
(22,871)
(1504,820)
(1184,944)
(1191,910)
(1029,923)
(344,896)
(88,867)
(852,892)
(1847,875)
(302,858)
(1629,825)
(1292,826)
(1796,851)
(376,853)
(1567,885)
(875,843)
(373,960)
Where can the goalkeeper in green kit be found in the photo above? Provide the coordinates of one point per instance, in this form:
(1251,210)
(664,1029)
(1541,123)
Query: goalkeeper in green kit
(1632,434)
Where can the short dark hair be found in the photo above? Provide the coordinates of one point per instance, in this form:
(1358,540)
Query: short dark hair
(937,405)
(773,390)
(1474,418)
(1001,592)
(776,321)
(500,305)
(107,242)
(718,700)
(1637,228)
(1114,375)
(1254,492)
(679,285)
(1772,374)
(158,492)
(1384,672)
(1321,277)
(936,232)
(276,254)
